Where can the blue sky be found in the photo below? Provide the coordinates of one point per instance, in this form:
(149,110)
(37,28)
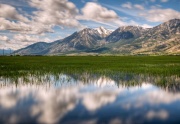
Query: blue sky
(24,22)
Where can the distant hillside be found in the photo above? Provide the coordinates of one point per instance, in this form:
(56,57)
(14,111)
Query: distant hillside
(162,39)
(5,51)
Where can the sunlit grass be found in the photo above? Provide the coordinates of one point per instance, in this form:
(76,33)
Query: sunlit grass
(151,65)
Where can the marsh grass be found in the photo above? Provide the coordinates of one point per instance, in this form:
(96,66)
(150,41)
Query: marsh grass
(107,65)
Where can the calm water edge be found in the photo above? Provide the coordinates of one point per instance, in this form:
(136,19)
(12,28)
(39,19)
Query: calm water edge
(90,99)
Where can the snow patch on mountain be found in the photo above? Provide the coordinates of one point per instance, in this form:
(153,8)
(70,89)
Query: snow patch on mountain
(103,32)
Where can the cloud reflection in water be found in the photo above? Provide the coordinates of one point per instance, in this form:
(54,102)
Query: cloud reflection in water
(99,100)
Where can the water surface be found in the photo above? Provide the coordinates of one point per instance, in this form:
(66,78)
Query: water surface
(90,98)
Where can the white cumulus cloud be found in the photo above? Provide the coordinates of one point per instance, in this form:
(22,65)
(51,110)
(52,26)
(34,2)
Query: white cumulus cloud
(3,38)
(47,14)
(21,27)
(127,5)
(55,12)
(138,6)
(160,15)
(96,12)
(9,12)
(26,38)
(164,1)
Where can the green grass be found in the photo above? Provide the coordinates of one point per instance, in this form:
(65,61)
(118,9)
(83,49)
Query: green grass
(151,65)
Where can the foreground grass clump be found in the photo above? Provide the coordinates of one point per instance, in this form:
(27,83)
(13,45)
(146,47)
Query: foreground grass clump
(151,65)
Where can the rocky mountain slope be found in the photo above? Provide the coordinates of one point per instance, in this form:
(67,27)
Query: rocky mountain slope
(78,41)
(83,40)
(125,32)
(162,39)
(34,49)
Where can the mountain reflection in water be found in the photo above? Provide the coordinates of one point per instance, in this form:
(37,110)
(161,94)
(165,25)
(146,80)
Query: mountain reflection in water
(89,99)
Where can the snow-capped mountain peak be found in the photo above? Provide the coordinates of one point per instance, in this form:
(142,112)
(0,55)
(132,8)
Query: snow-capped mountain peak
(129,39)
(103,32)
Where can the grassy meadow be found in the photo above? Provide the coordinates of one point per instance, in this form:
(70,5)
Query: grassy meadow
(151,65)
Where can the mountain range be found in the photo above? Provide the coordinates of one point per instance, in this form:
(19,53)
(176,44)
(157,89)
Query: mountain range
(161,39)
